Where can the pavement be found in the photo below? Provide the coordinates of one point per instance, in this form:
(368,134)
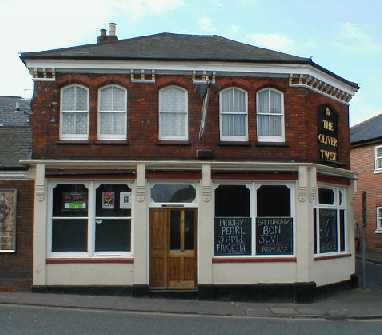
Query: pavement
(356,304)
(372,256)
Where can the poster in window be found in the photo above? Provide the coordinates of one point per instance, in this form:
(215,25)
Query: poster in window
(74,200)
(107,200)
(124,200)
(8,200)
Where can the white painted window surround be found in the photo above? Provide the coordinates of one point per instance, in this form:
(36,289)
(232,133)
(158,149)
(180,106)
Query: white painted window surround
(233,106)
(74,113)
(112,113)
(379,221)
(173,113)
(270,115)
(378,158)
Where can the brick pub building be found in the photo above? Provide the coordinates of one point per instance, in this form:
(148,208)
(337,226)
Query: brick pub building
(183,162)
(366,161)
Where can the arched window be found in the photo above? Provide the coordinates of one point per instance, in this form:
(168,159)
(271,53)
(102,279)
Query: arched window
(74,117)
(112,113)
(270,116)
(233,114)
(173,113)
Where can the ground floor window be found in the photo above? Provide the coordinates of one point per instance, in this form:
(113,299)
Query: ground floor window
(379,219)
(90,219)
(330,221)
(254,219)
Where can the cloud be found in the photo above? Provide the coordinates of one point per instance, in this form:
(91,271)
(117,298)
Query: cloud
(206,25)
(275,42)
(354,38)
(45,24)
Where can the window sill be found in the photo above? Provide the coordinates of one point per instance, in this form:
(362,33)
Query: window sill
(272,144)
(378,231)
(111,142)
(95,260)
(73,142)
(173,142)
(234,143)
(378,171)
(254,259)
(323,258)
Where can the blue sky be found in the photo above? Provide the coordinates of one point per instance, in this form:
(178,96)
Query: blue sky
(343,36)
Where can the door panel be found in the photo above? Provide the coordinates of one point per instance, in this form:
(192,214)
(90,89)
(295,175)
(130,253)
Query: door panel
(173,248)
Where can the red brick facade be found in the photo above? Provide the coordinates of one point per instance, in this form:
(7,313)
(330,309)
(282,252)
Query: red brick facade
(301,108)
(362,162)
(16,268)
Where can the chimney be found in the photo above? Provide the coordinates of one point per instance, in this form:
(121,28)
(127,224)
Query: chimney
(112,37)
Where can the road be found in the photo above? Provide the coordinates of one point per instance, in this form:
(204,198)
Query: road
(373,274)
(30,320)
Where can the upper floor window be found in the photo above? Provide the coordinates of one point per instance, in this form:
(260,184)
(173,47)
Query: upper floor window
(270,116)
(378,157)
(173,113)
(233,114)
(74,120)
(112,113)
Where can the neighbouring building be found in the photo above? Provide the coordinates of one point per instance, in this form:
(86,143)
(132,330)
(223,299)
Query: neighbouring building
(366,161)
(176,161)
(16,194)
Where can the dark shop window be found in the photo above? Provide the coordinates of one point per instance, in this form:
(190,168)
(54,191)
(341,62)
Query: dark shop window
(326,196)
(328,230)
(69,235)
(113,200)
(273,200)
(113,235)
(70,200)
(232,200)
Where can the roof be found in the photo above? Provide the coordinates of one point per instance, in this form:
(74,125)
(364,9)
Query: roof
(369,130)
(9,115)
(15,144)
(178,47)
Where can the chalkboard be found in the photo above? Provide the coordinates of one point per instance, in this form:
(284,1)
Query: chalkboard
(232,236)
(274,236)
(328,230)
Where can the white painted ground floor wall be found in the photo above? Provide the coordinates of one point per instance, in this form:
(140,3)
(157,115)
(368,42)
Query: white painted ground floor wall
(304,268)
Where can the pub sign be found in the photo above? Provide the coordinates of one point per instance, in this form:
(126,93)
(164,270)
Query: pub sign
(8,220)
(327,134)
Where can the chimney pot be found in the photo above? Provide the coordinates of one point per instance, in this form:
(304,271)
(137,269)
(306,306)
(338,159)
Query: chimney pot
(103,32)
(112,29)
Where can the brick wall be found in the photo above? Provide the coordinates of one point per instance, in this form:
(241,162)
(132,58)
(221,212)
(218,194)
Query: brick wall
(16,268)
(301,108)
(362,162)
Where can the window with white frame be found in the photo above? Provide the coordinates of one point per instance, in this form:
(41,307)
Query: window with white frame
(254,219)
(173,113)
(112,113)
(379,220)
(233,104)
(74,116)
(378,157)
(270,116)
(90,219)
(330,224)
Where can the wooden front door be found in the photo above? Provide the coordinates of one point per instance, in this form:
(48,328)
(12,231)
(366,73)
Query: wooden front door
(173,248)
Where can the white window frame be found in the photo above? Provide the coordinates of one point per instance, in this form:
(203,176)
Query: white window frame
(337,206)
(281,138)
(376,157)
(173,138)
(253,188)
(378,220)
(111,136)
(90,253)
(74,136)
(233,138)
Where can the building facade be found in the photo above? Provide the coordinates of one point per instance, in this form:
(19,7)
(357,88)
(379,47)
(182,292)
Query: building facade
(366,162)
(189,162)
(16,195)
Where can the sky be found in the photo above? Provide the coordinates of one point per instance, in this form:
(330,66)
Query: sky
(344,36)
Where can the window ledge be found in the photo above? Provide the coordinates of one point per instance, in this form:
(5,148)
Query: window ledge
(378,231)
(323,258)
(272,144)
(173,142)
(378,171)
(108,142)
(73,142)
(104,260)
(235,143)
(252,259)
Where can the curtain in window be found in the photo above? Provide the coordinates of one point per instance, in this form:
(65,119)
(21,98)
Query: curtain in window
(233,113)
(113,112)
(270,113)
(74,112)
(173,113)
